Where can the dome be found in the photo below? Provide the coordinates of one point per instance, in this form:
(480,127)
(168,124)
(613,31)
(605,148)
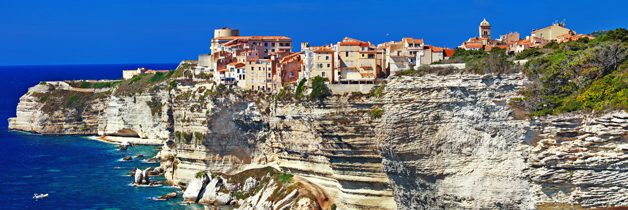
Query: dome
(485,23)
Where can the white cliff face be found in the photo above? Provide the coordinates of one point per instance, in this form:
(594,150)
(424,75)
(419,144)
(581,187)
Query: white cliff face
(333,146)
(581,159)
(452,142)
(57,108)
(143,115)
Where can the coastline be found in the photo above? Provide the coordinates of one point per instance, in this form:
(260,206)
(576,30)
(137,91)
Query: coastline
(132,140)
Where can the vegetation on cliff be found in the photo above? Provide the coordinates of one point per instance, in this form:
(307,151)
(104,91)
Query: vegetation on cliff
(590,75)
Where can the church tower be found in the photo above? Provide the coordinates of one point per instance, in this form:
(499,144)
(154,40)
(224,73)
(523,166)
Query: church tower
(485,29)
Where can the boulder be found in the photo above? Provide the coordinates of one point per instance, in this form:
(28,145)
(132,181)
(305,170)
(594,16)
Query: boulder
(211,194)
(138,177)
(124,145)
(167,196)
(139,156)
(249,184)
(194,188)
(127,158)
(211,190)
(146,176)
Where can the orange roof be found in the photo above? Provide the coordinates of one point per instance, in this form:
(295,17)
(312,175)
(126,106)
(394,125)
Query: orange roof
(366,67)
(368,52)
(255,38)
(449,52)
(354,43)
(322,50)
(435,49)
(236,64)
(473,45)
(222,70)
(412,40)
(290,57)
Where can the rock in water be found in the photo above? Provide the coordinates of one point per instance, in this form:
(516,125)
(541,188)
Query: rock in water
(211,191)
(127,158)
(139,156)
(194,188)
(168,196)
(146,176)
(124,145)
(138,177)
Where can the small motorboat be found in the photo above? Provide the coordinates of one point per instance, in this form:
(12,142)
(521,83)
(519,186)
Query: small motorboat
(40,196)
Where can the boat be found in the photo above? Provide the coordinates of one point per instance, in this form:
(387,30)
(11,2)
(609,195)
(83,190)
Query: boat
(40,196)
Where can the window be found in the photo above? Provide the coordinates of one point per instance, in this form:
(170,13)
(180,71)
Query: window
(265,44)
(323,74)
(273,44)
(327,57)
(346,54)
(328,65)
(291,74)
(269,75)
(259,68)
(252,68)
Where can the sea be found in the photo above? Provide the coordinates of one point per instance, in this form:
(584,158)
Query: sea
(75,172)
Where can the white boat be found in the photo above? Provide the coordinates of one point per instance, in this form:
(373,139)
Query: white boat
(40,196)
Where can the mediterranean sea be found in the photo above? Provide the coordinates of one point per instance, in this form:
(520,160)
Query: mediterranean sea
(76,172)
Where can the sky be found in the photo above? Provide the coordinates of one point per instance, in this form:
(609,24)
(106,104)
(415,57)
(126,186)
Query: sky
(48,32)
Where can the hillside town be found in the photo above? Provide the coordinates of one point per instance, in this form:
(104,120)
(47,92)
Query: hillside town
(267,63)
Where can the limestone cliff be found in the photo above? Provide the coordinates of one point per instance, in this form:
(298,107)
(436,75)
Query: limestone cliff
(58,108)
(581,159)
(334,146)
(451,142)
(429,142)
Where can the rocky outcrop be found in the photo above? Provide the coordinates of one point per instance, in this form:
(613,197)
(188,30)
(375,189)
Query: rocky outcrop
(58,108)
(142,115)
(334,146)
(581,159)
(451,142)
(216,131)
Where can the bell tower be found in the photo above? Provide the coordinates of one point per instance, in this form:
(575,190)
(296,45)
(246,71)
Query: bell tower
(485,29)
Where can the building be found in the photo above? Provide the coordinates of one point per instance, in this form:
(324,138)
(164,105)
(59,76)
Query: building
(319,61)
(226,39)
(485,29)
(288,68)
(234,74)
(356,61)
(259,75)
(551,33)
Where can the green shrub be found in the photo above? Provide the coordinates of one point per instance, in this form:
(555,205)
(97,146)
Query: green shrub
(285,178)
(300,88)
(406,72)
(200,174)
(320,91)
(377,113)
(379,91)
(85,84)
(579,75)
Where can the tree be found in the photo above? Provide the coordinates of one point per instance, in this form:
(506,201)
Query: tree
(299,91)
(320,91)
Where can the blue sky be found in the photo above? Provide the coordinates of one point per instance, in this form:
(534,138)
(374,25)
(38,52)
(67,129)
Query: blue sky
(165,31)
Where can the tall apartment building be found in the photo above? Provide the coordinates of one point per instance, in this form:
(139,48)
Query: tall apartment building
(319,61)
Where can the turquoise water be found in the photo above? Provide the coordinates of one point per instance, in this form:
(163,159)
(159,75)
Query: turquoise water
(76,172)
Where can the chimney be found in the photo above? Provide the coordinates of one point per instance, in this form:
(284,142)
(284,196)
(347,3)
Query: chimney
(304,45)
